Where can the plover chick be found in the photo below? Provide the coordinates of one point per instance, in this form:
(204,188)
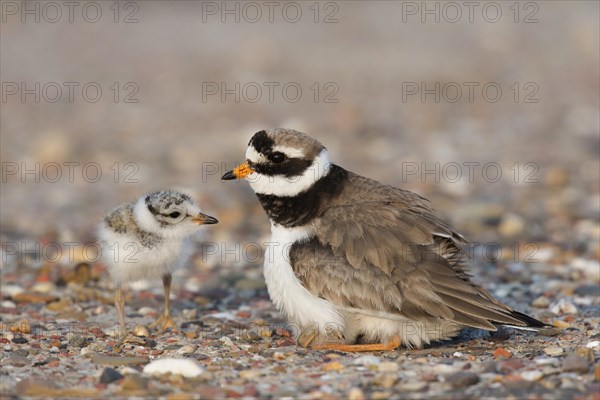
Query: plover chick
(148,239)
(364,265)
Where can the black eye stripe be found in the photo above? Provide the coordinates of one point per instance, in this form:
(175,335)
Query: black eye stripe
(290,168)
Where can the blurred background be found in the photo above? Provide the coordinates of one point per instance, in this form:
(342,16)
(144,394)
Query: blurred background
(492,112)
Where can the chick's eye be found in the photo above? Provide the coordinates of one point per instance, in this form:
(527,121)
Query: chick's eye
(277,157)
(174,214)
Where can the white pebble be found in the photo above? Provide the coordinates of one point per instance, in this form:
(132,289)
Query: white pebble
(54,349)
(458,354)
(592,345)
(367,360)
(563,306)
(545,360)
(176,366)
(227,341)
(532,375)
(8,304)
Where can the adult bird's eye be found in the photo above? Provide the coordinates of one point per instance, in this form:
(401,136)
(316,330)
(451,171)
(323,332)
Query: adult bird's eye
(174,214)
(277,157)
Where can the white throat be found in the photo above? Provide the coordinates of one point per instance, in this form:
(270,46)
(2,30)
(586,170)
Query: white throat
(283,186)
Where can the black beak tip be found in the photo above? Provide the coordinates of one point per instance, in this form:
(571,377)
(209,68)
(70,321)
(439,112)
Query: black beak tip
(211,221)
(228,176)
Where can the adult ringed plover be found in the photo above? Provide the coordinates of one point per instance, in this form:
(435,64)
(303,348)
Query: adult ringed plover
(147,239)
(357,265)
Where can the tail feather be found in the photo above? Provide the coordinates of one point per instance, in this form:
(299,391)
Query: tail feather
(529,323)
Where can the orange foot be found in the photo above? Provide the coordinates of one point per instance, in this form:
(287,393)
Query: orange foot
(353,348)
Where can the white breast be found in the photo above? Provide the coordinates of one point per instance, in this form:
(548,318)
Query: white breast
(128,260)
(286,291)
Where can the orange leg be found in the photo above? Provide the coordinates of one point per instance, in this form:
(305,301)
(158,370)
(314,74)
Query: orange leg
(353,348)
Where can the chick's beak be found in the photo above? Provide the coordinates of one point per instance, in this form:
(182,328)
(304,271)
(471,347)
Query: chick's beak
(203,219)
(240,172)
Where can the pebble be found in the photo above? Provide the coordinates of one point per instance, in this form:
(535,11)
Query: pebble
(250,374)
(462,379)
(532,376)
(575,363)
(21,326)
(511,225)
(186,349)
(385,380)
(141,331)
(586,353)
(7,304)
(388,366)
(553,350)
(20,340)
(116,361)
(563,306)
(32,297)
(541,302)
(356,394)
(177,366)
(593,345)
(227,341)
(110,375)
(134,382)
(54,349)
(333,366)
(501,352)
(366,360)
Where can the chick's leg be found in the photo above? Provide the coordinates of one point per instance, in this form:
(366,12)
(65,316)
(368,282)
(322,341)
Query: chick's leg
(165,321)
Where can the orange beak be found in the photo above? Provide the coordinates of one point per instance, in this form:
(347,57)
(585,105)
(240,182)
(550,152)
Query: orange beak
(239,172)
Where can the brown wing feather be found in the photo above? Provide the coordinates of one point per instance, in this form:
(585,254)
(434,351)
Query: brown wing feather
(385,249)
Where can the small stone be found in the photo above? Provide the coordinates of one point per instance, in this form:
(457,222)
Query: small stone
(563,306)
(32,297)
(134,382)
(333,366)
(110,375)
(575,363)
(21,326)
(541,302)
(249,374)
(511,225)
(560,324)
(388,366)
(553,351)
(462,379)
(279,356)
(501,352)
(141,331)
(78,341)
(586,353)
(54,349)
(20,340)
(356,394)
(366,360)
(385,380)
(185,367)
(190,314)
(532,376)
(186,349)
(227,341)
(593,344)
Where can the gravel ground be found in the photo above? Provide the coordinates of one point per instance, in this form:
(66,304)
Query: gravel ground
(535,226)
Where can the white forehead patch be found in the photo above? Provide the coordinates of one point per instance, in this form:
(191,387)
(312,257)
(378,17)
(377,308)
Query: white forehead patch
(286,187)
(254,156)
(291,152)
